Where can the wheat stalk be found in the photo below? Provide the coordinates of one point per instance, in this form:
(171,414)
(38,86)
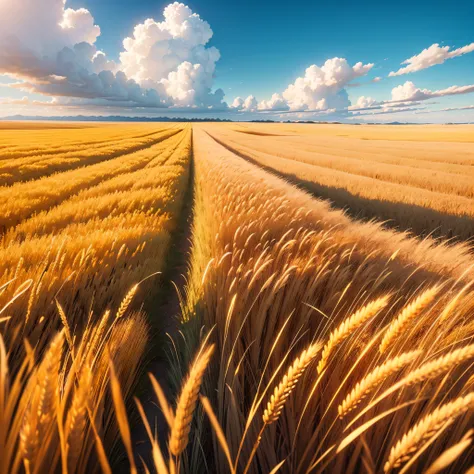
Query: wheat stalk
(187,402)
(77,416)
(348,326)
(42,404)
(450,455)
(373,379)
(403,450)
(288,383)
(408,314)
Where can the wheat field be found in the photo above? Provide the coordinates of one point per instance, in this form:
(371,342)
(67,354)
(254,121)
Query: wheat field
(416,181)
(327,320)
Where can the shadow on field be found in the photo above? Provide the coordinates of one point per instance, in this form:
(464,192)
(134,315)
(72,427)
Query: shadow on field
(393,214)
(163,310)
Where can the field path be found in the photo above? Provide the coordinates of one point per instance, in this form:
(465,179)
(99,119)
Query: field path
(164,311)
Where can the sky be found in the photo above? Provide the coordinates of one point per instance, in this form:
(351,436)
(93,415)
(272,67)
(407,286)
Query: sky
(350,61)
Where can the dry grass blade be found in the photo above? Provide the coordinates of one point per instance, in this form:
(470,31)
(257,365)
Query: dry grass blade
(121,415)
(23,288)
(288,383)
(166,409)
(99,446)
(450,455)
(187,402)
(348,326)
(218,430)
(158,459)
(402,451)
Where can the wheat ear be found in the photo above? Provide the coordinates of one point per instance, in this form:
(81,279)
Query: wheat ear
(427,371)
(408,314)
(67,329)
(126,301)
(403,450)
(187,402)
(373,379)
(440,365)
(290,379)
(348,326)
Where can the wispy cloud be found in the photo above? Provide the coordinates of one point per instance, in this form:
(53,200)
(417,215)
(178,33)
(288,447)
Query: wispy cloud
(431,56)
(408,92)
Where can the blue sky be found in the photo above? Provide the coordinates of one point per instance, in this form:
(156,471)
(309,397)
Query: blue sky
(265,46)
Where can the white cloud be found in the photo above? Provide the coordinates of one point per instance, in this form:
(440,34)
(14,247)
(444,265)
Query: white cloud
(173,52)
(363,103)
(27,101)
(277,103)
(431,56)
(42,28)
(409,92)
(250,104)
(385,111)
(323,87)
(450,109)
(237,103)
(166,64)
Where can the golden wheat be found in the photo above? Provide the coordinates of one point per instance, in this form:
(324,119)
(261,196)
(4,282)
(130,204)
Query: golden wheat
(348,326)
(374,379)
(271,268)
(409,313)
(430,194)
(187,402)
(271,271)
(288,383)
(425,428)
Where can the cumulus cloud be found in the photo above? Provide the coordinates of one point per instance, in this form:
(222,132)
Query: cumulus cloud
(431,56)
(51,49)
(323,87)
(250,104)
(408,92)
(173,53)
(237,103)
(363,103)
(42,28)
(276,104)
